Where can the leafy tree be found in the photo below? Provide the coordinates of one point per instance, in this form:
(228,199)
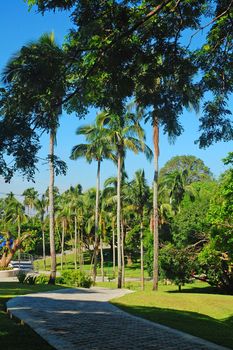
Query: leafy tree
(177,264)
(35,78)
(191,225)
(194,168)
(217,257)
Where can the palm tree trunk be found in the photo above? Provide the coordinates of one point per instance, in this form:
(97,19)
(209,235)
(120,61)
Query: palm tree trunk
(75,241)
(102,258)
(122,254)
(119,282)
(155,204)
(62,243)
(113,250)
(43,242)
(142,254)
(19,237)
(51,211)
(96,222)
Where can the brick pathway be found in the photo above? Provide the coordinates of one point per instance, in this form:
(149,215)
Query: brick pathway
(82,319)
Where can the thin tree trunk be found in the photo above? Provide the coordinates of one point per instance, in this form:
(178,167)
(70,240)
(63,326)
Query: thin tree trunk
(102,258)
(113,251)
(96,222)
(122,254)
(19,237)
(142,254)
(52,277)
(81,249)
(62,242)
(119,281)
(43,240)
(155,204)
(75,241)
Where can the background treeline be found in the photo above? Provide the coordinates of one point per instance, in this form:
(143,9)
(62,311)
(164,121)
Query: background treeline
(195,222)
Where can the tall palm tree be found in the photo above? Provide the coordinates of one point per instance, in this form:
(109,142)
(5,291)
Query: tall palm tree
(124,132)
(97,148)
(139,195)
(36,78)
(74,196)
(40,206)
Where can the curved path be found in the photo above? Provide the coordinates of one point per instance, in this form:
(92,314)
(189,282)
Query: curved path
(82,319)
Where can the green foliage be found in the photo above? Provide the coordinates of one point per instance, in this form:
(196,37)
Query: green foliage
(148,257)
(176,264)
(42,279)
(30,279)
(5,268)
(191,223)
(76,278)
(216,267)
(195,169)
(21,275)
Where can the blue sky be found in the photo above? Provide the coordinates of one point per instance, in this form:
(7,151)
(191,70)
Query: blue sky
(19,26)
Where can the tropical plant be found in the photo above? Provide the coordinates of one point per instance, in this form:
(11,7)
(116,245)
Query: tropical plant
(30,197)
(97,148)
(139,196)
(37,73)
(124,132)
(40,206)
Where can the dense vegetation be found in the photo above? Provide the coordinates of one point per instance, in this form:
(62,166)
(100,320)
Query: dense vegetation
(194,223)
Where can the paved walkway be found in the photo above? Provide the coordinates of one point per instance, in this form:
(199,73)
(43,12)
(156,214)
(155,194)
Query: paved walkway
(82,319)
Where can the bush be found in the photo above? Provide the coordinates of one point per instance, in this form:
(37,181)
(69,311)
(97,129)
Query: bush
(21,275)
(30,279)
(176,264)
(5,268)
(60,280)
(42,279)
(76,278)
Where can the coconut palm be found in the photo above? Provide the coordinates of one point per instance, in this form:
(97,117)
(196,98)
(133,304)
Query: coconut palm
(74,197)
(35,77)
(124,132)
(139,195)
(97,148)
(30,197)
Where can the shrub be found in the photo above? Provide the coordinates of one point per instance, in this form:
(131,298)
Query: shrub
(76,278)
(6,268)
(60,280)
(30,279)
(21,275)
(42,279)
(176,264)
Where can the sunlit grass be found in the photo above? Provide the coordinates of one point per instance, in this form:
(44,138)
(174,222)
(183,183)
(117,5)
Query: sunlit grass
(198,310)
(68,263)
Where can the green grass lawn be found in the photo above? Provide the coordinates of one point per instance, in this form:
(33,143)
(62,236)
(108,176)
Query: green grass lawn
(14,336)
(198,310)
(68,263)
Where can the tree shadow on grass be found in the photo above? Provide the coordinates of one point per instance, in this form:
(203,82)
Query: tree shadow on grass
(201,290)
(197,324)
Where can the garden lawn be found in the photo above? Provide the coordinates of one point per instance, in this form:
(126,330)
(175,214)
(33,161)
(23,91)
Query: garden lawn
(14,336)
(68,263)
(196,310)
